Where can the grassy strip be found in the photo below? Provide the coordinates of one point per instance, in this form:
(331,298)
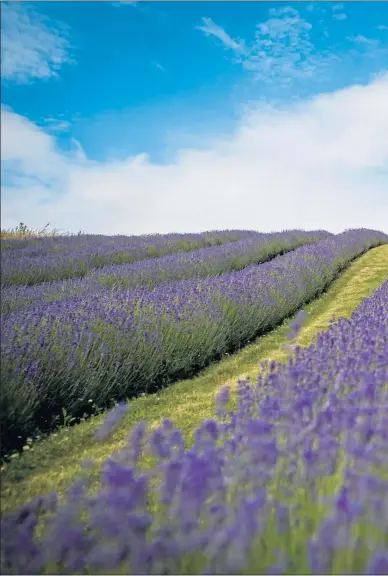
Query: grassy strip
(52,464)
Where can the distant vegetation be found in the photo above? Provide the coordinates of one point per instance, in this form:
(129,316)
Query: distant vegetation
(22,231)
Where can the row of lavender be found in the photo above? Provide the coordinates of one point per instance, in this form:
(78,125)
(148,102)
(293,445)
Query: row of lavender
(45,244)
(293,481)
(103,347)
(203,262)
(46,259)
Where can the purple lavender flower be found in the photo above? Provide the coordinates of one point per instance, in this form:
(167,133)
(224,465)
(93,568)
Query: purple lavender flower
(112,421)
(378,563)
(297,324)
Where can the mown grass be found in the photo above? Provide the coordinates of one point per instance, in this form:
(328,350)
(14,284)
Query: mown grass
(51,465)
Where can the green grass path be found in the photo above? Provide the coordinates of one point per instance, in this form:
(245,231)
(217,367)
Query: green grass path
(52,464)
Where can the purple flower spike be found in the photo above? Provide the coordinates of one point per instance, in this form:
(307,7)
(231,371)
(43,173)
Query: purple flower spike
(378,563)
(112,421)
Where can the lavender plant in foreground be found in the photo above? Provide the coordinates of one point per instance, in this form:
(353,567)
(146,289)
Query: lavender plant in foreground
(203,262)
(114,345)
(294,480)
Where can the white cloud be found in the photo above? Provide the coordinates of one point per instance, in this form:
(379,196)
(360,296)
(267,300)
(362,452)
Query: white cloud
(320,164)
(337,7)
(31,46)
(360,39)
(284,59)
(369,49)
(25,145)
(56,124)
(317,7)
(281,52)
(339,16)
(125,3)
(159,66)
(212,29)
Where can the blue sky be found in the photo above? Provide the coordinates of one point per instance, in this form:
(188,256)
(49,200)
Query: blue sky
(159,116)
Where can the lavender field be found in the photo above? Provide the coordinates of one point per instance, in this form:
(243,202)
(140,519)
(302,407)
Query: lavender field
(50,258)
(38,360)
(105,346)
(290,477)
(254,248)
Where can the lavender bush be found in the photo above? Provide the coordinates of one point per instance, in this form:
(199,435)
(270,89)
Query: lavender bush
(292,480)
(34,260)
(109,346)
(203,262)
